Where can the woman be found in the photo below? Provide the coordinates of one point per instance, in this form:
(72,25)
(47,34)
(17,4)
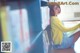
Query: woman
(59,36)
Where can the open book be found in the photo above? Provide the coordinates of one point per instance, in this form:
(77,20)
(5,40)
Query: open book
(69,34)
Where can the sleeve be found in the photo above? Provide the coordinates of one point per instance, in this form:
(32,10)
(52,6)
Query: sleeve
(62,28)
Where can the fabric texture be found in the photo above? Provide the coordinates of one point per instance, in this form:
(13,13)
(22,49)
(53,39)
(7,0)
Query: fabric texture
(67,42)
(58,29)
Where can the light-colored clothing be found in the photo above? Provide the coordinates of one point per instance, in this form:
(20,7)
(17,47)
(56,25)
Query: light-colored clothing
(58,29)
(66,42)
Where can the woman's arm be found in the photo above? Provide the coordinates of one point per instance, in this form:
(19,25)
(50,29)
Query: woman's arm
(62,28)
(79,25)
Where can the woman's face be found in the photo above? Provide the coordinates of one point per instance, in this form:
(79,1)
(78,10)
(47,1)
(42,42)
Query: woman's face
(57,10)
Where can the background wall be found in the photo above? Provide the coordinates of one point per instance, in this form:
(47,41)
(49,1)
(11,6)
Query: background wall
(23,22)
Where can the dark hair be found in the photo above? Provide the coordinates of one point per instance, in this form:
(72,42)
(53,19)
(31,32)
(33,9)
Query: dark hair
(51,6)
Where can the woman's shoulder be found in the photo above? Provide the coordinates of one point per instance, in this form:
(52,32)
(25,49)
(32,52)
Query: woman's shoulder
(55,18)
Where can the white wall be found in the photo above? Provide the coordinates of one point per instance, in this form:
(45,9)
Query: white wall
(67,11)
(45,16)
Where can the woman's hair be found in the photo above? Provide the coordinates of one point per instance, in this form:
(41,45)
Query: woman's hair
(51,6)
